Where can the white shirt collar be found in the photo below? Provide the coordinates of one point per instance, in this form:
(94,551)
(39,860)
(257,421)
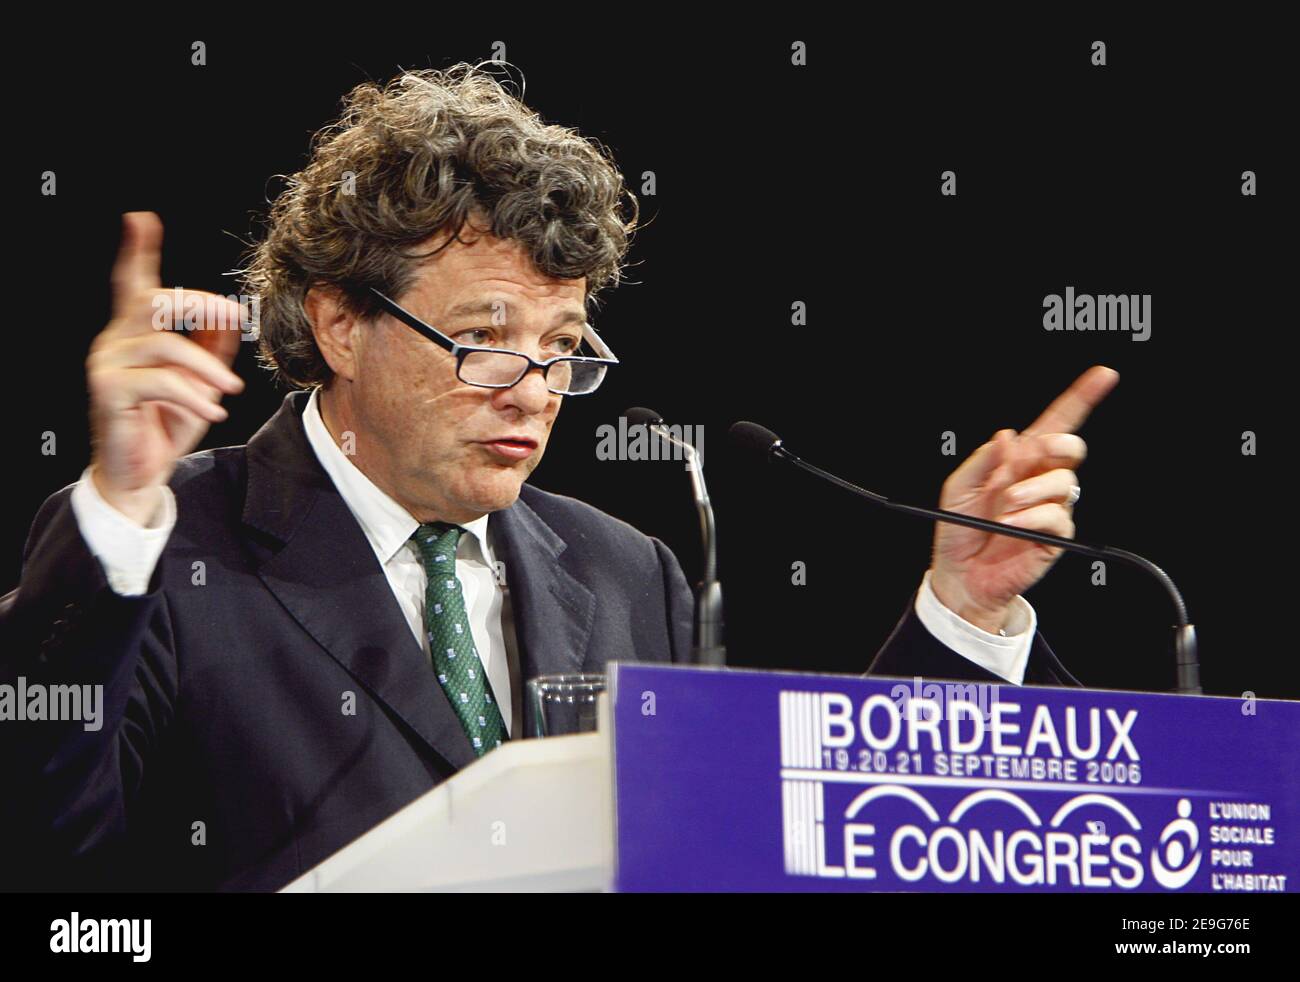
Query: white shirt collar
(387,525)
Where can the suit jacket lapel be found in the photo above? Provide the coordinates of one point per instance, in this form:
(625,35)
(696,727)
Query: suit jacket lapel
(554,612)
(322,569)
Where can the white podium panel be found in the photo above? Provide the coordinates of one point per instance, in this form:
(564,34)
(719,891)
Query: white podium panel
(531,815)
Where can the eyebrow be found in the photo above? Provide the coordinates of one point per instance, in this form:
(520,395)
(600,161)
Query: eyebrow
(472,308)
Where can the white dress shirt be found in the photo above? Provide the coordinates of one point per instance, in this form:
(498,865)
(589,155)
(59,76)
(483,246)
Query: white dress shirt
(388,528)
(129,553)
(1006,655)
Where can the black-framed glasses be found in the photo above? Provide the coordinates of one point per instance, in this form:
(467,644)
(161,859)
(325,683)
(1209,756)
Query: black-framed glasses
(499,368)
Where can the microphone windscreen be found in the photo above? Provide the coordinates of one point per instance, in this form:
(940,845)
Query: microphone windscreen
(751,436)
(640,416)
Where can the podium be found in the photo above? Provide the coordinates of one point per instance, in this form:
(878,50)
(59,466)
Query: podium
(713,779)
(532,815)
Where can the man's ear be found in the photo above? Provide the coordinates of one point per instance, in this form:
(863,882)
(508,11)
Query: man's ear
(335,329)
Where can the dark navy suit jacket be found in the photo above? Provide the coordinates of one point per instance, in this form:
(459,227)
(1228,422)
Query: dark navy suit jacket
(226,760)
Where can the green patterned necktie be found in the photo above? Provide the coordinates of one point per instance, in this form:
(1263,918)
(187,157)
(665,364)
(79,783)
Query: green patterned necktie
(460,670)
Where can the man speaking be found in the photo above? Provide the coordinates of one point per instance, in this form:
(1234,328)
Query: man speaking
(297,637)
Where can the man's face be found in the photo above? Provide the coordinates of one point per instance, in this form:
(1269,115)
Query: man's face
(443,449)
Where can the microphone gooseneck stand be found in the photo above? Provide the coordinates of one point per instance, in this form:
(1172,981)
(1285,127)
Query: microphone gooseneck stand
(751,436)
(708,647)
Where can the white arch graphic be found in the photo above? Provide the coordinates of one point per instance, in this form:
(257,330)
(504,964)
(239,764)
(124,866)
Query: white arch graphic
(1067,809)
(993,794)
(883,790)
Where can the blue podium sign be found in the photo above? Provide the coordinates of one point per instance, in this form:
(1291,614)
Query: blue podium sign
(745,780)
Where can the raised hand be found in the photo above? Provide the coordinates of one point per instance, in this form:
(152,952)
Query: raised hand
(1027,480)
(153,391)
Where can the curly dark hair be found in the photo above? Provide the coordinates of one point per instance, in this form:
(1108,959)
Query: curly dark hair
(413,158)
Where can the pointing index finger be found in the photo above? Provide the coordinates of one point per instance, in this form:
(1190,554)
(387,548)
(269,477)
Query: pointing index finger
(139,256)
(1069,410)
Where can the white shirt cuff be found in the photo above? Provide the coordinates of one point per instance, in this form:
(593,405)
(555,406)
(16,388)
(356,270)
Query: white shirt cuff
(1005,656)
(128,552)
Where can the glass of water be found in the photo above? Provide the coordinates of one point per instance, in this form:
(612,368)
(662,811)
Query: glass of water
(564,704)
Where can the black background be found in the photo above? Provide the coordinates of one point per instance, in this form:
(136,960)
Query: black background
(778,183)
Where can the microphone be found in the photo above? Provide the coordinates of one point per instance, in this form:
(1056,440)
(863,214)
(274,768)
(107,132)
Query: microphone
(760,440)
(708,645)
